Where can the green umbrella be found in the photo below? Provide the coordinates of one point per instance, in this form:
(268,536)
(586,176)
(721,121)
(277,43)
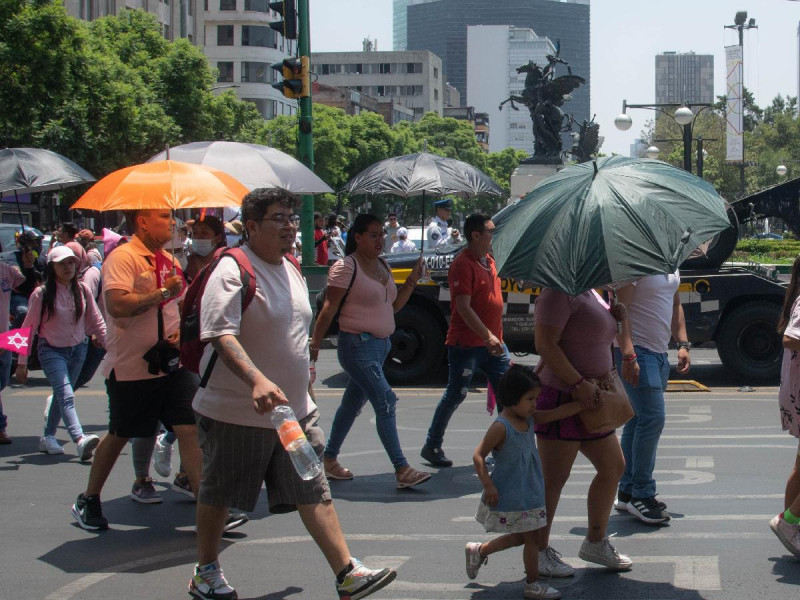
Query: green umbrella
(606,221)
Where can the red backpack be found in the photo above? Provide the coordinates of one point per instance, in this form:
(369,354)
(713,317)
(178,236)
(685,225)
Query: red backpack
(192,347)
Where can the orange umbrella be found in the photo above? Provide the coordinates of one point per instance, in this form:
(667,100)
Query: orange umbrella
(163,184)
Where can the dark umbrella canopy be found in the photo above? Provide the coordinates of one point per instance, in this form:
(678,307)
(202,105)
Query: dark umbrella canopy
(606,221)
(423,173)
(26,170)
(254,165)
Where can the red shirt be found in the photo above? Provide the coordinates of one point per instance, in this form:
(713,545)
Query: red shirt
(468,276)
(322,248)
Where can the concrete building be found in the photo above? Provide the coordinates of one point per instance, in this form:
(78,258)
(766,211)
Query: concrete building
(392,112)
(234,35)
(493,54)
(478,120)
(441,27)
(684,77)
(412,79)
(350,101)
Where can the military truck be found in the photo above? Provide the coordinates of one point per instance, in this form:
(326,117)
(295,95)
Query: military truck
(735,307)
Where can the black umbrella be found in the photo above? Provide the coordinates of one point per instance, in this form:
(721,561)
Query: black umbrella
(27,170)
(420,174)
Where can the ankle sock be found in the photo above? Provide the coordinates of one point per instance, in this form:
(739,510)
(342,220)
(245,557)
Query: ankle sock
(790,518)
(343,573)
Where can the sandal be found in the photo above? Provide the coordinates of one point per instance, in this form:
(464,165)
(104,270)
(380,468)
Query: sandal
(409,477)
(333,470)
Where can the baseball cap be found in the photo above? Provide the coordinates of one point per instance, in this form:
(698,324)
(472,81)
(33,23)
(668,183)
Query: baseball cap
(60,253)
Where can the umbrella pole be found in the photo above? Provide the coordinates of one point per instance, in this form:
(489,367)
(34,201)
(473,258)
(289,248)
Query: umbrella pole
(19,211)
(422,226)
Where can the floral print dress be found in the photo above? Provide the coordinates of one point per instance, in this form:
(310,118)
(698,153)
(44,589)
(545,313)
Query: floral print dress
(518,478)
(789,394)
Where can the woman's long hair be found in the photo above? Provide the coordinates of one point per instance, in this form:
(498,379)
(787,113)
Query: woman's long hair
(791,295)
(360,225)
(49,295)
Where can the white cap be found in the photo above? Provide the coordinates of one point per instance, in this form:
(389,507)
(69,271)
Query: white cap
(60,253)
(402,233)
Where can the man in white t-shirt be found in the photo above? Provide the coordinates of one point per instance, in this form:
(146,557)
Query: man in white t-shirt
(263,362)
(655,315)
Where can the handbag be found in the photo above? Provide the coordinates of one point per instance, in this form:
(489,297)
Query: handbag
(616,409)
(333,328)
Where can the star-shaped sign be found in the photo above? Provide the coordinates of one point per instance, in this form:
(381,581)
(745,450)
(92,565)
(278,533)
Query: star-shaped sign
(17,340)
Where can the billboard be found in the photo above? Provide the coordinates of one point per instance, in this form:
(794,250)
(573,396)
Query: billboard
(734,110)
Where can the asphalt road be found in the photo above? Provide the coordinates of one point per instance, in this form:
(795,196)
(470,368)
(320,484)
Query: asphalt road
(721,469)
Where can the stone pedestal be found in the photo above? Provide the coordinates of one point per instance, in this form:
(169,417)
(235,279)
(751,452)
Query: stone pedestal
(527,176)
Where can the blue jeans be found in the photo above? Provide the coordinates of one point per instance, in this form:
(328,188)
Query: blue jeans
(94,356)
(463,362)
(361,356)
(5,374)
(18,309)
(641,434)
(62,366)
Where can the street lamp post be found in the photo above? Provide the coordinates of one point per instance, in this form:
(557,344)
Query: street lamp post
(683,116)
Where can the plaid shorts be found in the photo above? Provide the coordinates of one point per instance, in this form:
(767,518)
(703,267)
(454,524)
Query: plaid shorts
(237,460)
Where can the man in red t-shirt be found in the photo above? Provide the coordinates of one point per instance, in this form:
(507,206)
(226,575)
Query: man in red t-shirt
(475,336)
(320,240)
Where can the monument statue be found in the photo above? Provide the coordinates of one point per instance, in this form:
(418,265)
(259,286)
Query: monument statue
(543,95)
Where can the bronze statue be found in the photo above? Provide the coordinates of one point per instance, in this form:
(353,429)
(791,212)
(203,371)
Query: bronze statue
(543,95)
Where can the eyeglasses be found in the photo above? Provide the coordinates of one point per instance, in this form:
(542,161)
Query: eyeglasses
(280,218)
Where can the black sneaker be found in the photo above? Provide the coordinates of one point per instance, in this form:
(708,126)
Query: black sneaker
(235,520)
(647,510)
(88,513)
(623,499)
(436,457)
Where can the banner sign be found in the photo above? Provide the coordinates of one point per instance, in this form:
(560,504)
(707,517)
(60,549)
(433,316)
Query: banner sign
(734,111)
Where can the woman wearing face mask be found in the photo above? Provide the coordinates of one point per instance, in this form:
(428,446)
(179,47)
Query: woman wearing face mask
(208,234)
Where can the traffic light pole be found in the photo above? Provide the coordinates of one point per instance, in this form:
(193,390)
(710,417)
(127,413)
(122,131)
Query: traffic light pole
(305,145)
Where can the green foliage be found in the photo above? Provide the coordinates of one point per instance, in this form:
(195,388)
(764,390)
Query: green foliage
(767,251)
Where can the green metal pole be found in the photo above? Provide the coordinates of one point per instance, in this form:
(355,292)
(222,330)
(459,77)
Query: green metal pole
(305,144)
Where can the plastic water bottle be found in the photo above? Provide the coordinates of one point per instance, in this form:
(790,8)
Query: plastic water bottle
(305,460)
(312,371)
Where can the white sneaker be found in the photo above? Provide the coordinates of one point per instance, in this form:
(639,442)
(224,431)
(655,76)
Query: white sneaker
(47,402)
(86,446)
(788,534)
(551,565)
(49,445)
(542,591)
(603,553)
(162,457)
(209,582)
(474,559)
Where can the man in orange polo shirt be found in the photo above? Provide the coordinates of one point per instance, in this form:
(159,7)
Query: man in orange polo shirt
(475,336)
(139,281)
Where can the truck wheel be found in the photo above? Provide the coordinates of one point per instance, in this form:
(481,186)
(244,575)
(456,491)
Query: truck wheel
(748,342)
(417,347)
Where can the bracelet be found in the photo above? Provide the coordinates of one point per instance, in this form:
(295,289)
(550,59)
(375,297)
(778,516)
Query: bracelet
(575,385)
(629,358)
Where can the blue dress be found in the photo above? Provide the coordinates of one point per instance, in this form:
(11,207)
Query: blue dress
(518,478)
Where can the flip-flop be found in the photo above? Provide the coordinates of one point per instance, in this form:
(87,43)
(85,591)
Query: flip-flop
(338,472)
(411,477)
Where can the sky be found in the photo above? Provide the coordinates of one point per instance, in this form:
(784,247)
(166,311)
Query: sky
(625,37)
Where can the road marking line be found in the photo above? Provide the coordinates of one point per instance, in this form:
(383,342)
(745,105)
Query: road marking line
(687,477)
(582,519)
(386,562)
(700,410)
(700,462)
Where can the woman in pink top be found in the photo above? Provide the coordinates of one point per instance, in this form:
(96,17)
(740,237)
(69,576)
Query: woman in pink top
(63,312)
(573,338)
(365,323)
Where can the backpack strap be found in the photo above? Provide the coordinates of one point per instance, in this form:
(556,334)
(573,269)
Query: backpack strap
(248,277)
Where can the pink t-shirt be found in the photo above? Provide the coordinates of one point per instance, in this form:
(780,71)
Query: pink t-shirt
(587,330)
(368,306)
(60,329)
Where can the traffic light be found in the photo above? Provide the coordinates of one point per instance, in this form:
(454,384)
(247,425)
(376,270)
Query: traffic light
(288,10)
(296,82)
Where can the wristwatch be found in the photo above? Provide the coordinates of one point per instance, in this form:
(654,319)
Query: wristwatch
(685,345)
(165,294)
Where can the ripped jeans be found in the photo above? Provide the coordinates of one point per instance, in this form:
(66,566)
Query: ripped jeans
(463,362)
(361,356)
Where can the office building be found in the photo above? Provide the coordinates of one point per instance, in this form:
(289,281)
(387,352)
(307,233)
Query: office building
(441,27)
(684,77)
(399,21)
(493,54)
(412,79)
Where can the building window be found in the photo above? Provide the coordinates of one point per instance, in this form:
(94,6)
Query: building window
(436,95)
(205,5)
(353,68)
(380,90)
(325,69)
(224,35)
(435,73)
(385,68)
(166,32)
(255,35)
(255,72)
(262,104)
(227,5)
(414,68)
(256,5)
(225,72)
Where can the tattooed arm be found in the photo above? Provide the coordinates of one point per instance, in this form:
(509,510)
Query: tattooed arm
(121,304)
(266,395)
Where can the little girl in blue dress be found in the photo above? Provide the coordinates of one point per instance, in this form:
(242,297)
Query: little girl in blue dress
(513,495)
